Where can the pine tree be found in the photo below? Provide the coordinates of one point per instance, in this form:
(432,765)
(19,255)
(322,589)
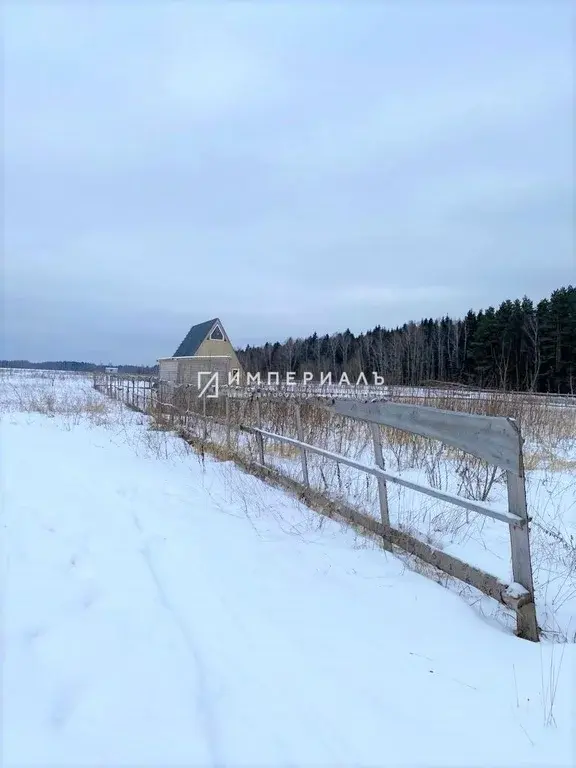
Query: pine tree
(517,346)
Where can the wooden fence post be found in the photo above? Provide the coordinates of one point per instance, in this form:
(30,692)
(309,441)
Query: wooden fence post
(158,400)
(382,488)
(187,414)
(205,433)
(259,438)
(228,433)
(526,620)
(303,454)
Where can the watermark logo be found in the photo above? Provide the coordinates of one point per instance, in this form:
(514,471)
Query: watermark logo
(209,382)
(212,387)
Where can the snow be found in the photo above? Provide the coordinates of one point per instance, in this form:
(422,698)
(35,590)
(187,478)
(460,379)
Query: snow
(515,590)
(471,537)
(161,610)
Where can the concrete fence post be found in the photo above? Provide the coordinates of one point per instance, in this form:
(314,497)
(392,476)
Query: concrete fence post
(382,488)
(526,621)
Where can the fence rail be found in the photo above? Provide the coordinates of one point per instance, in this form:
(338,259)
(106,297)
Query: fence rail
(394,392)
(494,439)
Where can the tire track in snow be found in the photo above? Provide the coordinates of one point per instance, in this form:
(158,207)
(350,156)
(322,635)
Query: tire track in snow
(204,703)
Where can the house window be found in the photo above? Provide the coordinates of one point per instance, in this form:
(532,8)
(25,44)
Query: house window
(217,333)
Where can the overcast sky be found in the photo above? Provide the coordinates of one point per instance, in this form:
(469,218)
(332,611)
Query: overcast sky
(289,168)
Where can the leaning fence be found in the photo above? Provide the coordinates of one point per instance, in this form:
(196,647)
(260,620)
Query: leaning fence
(278,439)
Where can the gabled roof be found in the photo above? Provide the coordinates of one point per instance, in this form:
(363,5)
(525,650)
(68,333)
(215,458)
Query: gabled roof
(195,337)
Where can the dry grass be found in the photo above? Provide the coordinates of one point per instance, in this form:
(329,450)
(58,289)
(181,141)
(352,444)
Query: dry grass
(54,394)
(550,450)
(549,431)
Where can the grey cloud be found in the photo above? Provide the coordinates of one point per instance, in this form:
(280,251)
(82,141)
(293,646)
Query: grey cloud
(342,167)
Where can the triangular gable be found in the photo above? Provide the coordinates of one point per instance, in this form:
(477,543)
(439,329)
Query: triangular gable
(217,332)
(196,335)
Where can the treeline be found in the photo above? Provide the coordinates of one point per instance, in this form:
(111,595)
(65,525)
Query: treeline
(73,365)
(518,346)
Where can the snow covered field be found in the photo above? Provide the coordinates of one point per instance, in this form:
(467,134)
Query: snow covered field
(163,610)
(474,538)
(548,429)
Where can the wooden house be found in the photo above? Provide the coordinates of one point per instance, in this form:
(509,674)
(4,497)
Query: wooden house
(206,347)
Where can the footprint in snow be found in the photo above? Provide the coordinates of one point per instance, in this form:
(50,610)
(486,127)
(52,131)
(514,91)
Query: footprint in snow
(87,597)
(63,704)
(33,633)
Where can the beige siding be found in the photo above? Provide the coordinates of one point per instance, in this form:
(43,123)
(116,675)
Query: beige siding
(189,367)
(212,355)
(219,347)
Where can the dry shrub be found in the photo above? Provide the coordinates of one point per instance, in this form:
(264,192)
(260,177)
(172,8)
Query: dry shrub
(55,393)
(549,430)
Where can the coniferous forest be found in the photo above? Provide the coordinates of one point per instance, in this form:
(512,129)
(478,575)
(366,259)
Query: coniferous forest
(518,346)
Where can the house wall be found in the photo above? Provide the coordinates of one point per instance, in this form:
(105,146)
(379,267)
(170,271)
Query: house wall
(212,355)
(168,370)
(219,347)
(189,367)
